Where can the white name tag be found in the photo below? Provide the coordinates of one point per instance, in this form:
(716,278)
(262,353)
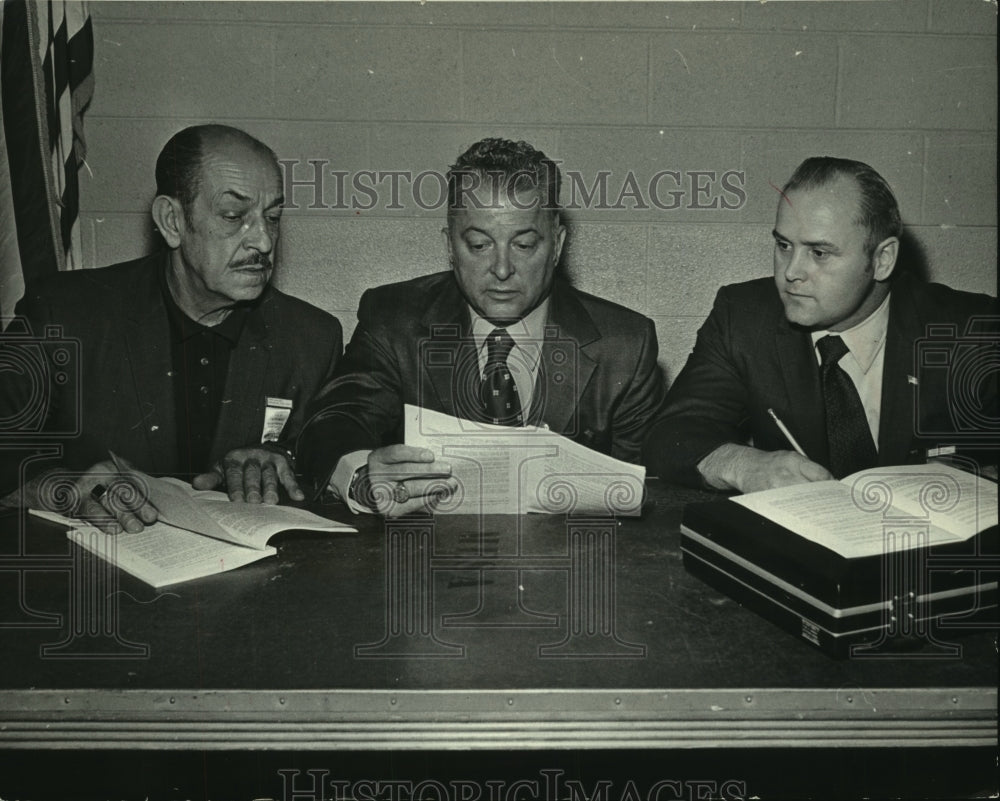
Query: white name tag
(275,416)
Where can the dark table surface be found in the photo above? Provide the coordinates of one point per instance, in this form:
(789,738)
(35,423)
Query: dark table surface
(482,617)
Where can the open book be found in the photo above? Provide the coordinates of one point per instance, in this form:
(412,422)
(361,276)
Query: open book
(198,533)
(853,516)
(508,470)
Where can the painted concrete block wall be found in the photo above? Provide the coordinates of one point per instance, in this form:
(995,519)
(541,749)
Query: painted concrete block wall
(689,92)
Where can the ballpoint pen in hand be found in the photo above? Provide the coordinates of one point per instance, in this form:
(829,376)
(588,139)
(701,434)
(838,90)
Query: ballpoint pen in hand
(787,433)
(120,465)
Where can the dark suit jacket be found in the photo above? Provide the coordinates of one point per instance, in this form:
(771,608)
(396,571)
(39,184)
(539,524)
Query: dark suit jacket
(115,392)
(749,358)
(598,382)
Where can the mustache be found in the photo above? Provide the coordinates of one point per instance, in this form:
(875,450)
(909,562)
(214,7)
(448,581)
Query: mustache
(261,258)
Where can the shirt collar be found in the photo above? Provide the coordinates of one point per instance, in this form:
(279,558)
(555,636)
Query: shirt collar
(528,333)
(183,327)
(865,339)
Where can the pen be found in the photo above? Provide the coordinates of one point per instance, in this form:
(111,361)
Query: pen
(142,486)
(787,433)
(117,462)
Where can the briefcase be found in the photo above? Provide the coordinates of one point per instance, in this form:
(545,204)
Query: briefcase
(917,599)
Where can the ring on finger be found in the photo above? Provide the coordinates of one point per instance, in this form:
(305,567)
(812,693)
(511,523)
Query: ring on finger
(400,494)
(98,492)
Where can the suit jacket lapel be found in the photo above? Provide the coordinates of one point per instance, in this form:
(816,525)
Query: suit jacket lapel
(566,368)
(896,426)
(448,372)
(147,339)
(243,403)
(805,414)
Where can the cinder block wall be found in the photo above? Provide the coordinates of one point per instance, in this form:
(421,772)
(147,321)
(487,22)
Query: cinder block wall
(741,90)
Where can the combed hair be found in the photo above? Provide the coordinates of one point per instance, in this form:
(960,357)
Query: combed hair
(178,167)
(517,164)
(879,211)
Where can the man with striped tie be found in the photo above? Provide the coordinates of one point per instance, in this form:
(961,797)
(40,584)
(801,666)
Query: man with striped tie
(499,338)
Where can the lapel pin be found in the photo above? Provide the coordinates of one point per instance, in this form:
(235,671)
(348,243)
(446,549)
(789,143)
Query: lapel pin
(912,379)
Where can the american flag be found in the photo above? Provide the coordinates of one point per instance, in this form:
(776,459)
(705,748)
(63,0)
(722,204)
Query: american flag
(46,83)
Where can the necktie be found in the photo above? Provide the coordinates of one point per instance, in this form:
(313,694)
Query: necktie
(847,432)
(501,404)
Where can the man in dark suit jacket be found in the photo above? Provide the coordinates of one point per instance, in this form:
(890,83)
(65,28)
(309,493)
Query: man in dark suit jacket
(186,362)
(836,241)
(583,366)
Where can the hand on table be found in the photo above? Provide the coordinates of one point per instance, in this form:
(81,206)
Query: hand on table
(252,475)
(111,500)
(749,469)
(403,479)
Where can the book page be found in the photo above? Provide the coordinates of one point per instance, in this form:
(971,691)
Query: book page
(175,504)
(949,498)
(162,554)
(513,470)
(211,513)
(253,524)
(831,514)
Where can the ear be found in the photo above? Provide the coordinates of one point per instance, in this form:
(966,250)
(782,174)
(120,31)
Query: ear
(560,235)
(884,258)
(168,217)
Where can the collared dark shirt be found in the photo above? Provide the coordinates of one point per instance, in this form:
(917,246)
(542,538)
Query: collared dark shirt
(200,364)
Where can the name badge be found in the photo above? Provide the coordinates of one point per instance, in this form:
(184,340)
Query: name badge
(275,416)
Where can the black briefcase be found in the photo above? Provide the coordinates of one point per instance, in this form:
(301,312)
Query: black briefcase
(921,598)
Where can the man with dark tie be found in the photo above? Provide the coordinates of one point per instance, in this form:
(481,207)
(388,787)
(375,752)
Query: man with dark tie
(818,372)
(499,338)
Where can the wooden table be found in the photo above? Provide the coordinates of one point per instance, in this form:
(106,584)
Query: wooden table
(445,633)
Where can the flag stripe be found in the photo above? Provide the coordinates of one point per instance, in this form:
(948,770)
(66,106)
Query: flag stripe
(25,130)
(70,58)
(46,83)
(80,47)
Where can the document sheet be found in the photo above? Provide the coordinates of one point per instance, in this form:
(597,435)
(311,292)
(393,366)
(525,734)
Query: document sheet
(513,470)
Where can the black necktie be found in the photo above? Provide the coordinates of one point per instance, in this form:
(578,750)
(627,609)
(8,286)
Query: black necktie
(847,432)
(501,404)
